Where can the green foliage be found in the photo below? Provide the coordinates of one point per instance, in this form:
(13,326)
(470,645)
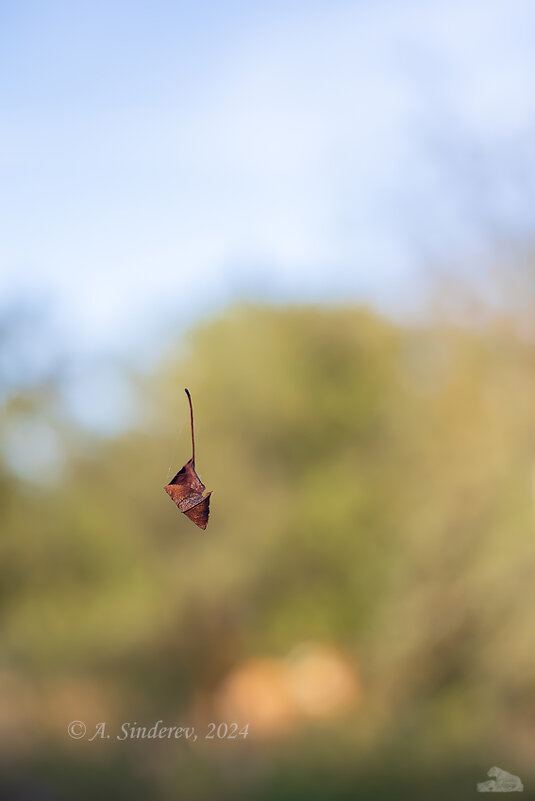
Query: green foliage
(372,487)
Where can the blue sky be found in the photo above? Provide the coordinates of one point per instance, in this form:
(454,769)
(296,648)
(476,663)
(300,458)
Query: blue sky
(160,158)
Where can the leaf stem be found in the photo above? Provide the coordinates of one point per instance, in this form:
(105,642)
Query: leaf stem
(192,432)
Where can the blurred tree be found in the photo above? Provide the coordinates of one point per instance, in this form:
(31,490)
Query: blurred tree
(372,488)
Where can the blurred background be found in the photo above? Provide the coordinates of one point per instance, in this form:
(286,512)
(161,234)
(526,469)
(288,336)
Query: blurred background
(319,217)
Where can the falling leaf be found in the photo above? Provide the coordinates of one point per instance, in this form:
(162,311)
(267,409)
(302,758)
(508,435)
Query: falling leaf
(186,488)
